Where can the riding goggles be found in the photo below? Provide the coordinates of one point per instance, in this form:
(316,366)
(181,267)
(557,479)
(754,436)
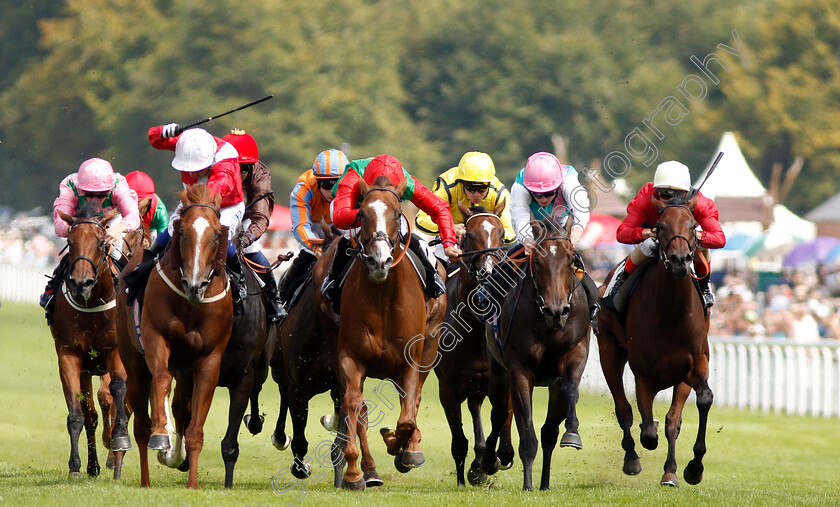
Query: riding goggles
(96,195)
(544,195)
(476,187)
(327,184)
(669,193)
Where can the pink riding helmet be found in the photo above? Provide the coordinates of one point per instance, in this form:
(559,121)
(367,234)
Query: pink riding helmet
(95,175)
(543,172)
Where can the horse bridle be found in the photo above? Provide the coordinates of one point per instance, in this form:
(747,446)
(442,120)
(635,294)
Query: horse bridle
(692,245)
(378,235)
(492,251)
(575,283)
(103,246)
(218,213)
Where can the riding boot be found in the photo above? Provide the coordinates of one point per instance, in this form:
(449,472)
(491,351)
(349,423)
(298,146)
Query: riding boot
(619,281)
(238,288)
(593,317)
(434,283)
(275,311)
(47,301)
(706,289)
(330,288)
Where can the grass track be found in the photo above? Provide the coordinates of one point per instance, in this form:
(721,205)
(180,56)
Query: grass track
(753,458)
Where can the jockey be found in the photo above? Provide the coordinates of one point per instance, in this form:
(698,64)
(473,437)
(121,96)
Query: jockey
(547,189)
(98,184)
(310,203)
(472,183)
(157,218)
(256,185)
(201,158)
(671,180)
(344,211)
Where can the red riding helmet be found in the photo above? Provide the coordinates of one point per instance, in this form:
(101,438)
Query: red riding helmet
(141,183)
(384,165)
(245,145)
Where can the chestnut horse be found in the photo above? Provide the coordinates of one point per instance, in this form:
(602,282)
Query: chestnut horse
(544,341)
(665,340)
(463,371)
(383,332)
(84,333)
(184,331)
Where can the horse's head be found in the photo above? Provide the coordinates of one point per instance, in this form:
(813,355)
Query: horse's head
(87,242)
(141,238)
(200,238)
(379,224)
(552,271)
(484,231)
(675,233)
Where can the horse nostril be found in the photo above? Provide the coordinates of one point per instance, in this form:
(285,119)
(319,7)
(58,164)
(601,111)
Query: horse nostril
(564,310)
(389,260)
(89,283)
(687,258)
(675,259)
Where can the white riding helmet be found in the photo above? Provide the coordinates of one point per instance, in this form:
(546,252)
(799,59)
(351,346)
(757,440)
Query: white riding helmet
(194,151)
(672,174)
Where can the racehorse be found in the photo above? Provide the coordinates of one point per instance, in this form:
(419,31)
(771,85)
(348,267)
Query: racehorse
(384,329)
(84,333)
(665,340)
(184,331)
(543,341)
(463,371)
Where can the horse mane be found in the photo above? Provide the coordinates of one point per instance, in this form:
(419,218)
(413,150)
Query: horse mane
(552,226)
(383,182)
(477,208)
(198,194)
(89,209)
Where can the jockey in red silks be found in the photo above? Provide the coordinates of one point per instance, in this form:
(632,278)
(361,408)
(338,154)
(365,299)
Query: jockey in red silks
(157,218)
(95,184)
(344,212)
(201,158)
(671,181)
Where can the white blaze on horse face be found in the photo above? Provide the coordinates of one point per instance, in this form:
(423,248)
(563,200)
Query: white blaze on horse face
(381,250)
(553,249)
(200,225)
(488,260)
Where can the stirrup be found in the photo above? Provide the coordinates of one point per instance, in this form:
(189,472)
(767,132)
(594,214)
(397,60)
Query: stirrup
(708,298)
(593,317)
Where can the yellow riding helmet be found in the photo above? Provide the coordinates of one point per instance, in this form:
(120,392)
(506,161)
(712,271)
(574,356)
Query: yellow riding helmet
(476,167)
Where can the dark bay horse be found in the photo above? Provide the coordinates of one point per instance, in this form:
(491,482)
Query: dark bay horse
(665,340)
(544,330)
(84,334)
(463,371)
(185,328)
(384,329)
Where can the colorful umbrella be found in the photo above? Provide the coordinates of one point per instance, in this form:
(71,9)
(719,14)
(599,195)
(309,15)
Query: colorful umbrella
(815,251)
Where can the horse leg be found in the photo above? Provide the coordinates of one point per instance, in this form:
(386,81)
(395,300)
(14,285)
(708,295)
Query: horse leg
(550,430)
(644,399)
(106,404)
(298,406)
(673,422)
(239,396)
(279,439)
(91,421)
(613,360)
(157,359)
(693,472)
(499,394)
(371,477)
(476,475)
(521,391)
(205,379)
(506,453)
(69,368)
(460,444)
(407,432)
(353,379)
(120,441)
(137,393)
(254,421)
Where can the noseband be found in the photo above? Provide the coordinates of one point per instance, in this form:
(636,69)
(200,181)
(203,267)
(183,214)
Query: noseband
(540,300)
(692,245)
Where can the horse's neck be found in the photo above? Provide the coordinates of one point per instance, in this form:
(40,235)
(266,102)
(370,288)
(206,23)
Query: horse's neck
(674,289)
(466,283)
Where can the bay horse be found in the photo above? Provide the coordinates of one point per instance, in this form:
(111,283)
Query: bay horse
(665,341)
(384,332)
(184,332)
(84,334)
(463,371)
(544,341)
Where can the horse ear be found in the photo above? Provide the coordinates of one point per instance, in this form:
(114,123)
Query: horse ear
(692,199)
(500,208)
(67,218)
(401,187)
(144,205)
(363,187)
(464,210)
(538,229)
(217,200)
(570,222)
(657,204)
(108,216)
(183,196)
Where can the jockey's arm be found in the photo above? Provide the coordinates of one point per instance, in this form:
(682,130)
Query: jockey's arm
(510,232)
(577,199)
(436,208)
(424,221)
(301,210)
(344,212)
(520,212)
(631,229)
(66,202)
(223,177)
(156,139)
(712,235)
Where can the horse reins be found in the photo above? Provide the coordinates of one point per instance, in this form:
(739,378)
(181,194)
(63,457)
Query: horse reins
(379,235)
(692,245)
(493,251)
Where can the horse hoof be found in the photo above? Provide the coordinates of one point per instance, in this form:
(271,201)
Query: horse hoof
(401,468)
(75,474)
(282,446)
(301,471)
(159,442)
(475,475)
(693,472)
(258,426)
(571,440)
(122,443)
(110,463)
(632,466)
(670,479)
(184,466)
(491,469)
(372,479)
(412,459)
(93,470)
(330,422)
(358,485)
